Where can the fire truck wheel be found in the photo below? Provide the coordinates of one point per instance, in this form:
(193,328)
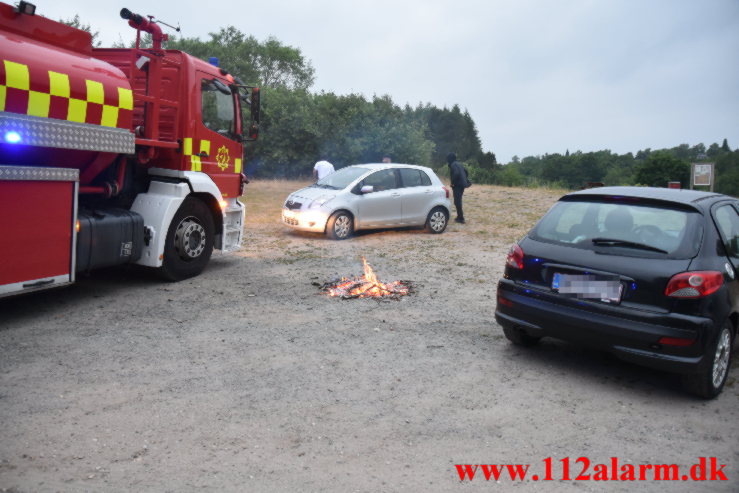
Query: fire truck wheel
(340,225)
(437,220)
(189,241)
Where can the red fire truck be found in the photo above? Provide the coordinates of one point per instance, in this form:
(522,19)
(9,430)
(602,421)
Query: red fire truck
(114,156)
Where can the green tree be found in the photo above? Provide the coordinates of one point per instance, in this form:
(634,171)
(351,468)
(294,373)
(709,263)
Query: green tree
(727,173)
(697,151)
(661,167)
(299,127)
(509,176)
(268,64)
(78,24)
(682,152)
(451,130)
(713,150)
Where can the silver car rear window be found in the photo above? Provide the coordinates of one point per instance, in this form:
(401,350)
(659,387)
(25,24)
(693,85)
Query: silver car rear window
(626,228)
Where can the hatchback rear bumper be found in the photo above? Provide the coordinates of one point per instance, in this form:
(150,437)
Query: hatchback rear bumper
(632,337)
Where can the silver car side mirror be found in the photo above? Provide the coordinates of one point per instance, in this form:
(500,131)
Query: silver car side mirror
(367,189)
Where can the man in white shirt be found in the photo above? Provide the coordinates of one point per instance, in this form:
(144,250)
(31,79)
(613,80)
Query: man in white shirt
(322,168)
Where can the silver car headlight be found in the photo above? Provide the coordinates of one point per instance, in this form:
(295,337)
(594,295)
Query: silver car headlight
(320,201)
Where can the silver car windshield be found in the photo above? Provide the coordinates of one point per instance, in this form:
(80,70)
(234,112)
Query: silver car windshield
(341,179)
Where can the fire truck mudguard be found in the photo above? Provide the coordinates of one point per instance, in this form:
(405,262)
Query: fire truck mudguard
(158,207)
(228,212)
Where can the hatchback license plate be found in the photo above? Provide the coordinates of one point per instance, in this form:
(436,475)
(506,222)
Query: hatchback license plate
(588,286)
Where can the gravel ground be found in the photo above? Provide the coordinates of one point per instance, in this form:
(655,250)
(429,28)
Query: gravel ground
(248,379)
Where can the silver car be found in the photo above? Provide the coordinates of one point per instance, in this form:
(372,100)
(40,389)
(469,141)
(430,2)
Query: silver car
(366,196)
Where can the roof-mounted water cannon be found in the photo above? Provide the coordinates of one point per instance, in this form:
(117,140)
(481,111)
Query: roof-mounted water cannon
(139,23)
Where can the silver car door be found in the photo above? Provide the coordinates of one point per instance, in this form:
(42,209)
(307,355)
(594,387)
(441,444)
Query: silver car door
(415,198)
(381,207)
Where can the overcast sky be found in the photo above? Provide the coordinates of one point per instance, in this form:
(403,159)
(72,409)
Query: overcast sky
(537,76)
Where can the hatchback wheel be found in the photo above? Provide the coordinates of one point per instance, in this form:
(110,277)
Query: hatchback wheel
(710,382)
(340,225)
(437,220)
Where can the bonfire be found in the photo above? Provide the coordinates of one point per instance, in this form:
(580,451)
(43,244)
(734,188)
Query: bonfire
(366,286)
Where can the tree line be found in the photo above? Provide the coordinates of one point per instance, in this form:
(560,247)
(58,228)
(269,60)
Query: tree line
(300,126)
(647,167)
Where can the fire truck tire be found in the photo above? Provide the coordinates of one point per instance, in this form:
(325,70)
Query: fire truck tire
(340,225)
(189,243)
(437,220)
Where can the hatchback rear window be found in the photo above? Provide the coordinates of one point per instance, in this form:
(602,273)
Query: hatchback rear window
(622,228)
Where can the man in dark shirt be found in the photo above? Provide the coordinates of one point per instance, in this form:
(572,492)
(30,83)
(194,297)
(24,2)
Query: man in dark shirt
(458,175)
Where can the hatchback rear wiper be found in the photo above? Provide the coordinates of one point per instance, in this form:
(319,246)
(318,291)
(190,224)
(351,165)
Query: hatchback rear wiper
(626,243)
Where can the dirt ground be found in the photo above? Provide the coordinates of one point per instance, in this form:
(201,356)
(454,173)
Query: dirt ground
(247,379)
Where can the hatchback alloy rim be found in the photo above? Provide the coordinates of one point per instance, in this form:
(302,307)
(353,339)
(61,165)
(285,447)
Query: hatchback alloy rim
(341,226)
(721,358)
(437,221)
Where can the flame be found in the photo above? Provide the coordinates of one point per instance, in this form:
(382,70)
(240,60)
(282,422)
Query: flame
(367,286)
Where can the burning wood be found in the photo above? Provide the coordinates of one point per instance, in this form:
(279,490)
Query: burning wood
(367,286)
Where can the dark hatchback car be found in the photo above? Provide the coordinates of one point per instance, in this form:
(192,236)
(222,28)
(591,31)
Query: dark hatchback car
(649,274)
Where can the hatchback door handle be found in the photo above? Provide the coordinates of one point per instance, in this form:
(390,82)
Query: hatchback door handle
(395,195)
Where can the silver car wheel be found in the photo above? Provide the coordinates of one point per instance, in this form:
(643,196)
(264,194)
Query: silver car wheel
(437,221)
(721,358)
(342,226)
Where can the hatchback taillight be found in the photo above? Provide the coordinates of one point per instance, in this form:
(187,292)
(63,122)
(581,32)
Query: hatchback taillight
(446,191)
(695,284)
(515,257)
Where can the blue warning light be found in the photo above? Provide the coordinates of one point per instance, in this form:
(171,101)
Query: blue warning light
(12,137)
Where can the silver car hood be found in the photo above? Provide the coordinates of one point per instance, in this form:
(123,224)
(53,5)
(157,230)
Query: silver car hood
(308,194)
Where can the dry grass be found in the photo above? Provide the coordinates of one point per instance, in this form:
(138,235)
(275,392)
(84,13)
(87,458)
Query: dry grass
(496,216)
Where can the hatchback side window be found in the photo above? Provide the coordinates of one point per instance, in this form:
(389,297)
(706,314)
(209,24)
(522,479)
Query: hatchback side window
(727,220)
(382,180)
(410,177)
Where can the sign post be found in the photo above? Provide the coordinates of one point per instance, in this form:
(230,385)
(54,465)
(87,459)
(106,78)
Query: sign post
(702,175)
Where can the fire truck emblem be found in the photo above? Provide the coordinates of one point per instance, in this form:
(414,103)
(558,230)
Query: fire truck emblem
(222,158)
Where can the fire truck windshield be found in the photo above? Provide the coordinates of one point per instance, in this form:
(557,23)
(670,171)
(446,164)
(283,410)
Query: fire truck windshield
(218,110)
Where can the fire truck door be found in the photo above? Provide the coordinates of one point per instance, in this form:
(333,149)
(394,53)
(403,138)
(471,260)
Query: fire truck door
(217,135)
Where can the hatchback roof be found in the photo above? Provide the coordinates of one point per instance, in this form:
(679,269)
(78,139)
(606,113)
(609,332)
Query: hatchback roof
(688,197)
(389,165)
